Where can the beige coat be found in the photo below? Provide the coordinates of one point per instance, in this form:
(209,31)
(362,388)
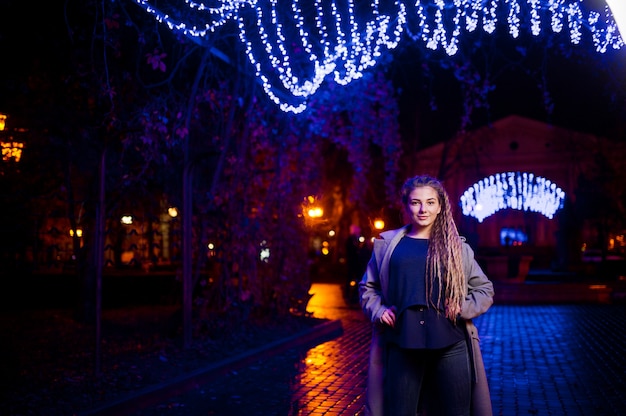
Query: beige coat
(373,289)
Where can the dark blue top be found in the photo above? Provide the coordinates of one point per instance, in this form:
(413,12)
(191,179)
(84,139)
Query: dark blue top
(419,324)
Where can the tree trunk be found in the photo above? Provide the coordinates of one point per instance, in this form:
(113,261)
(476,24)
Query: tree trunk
(99,259)
(187,252)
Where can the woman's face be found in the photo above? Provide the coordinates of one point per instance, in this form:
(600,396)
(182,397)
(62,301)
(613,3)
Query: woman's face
(423,207)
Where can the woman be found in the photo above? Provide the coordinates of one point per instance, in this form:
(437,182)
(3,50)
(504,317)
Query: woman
(421,289)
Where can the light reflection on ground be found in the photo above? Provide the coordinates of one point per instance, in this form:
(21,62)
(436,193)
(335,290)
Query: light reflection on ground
(331,374)
(540,359)
(327,301)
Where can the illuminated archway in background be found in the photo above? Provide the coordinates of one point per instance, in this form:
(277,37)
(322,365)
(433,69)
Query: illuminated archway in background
(294,44)
(512,190)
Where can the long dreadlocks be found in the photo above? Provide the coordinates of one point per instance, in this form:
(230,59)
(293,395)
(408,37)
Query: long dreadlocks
(444,261)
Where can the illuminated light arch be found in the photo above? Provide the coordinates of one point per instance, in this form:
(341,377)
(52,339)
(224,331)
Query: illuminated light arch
(293,52)
(512,190)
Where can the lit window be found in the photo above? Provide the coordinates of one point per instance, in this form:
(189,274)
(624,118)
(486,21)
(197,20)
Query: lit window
(512,237)
(12,150)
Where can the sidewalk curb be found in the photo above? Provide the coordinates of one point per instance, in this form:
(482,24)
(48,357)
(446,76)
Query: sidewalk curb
(154,395)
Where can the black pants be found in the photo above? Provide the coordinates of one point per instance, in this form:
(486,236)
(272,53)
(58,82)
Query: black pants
(440,378)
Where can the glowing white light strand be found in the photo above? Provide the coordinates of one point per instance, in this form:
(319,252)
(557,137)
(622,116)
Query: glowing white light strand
(535,20)
(513,18)
(556,9)
(618,9)
(489,17)
(513,190)
(356,55)
(344,43)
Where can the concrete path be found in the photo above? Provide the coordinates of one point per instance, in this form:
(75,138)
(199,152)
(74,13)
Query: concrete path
(564,359)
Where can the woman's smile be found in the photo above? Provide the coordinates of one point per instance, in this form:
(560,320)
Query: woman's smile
(423,207)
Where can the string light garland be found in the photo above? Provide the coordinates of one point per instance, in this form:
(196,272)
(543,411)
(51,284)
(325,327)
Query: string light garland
(618,9)
(512,190)
(295,44)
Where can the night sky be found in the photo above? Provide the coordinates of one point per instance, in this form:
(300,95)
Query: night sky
(586,91)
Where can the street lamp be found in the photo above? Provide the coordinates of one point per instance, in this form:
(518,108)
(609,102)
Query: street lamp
(311,211)
(316,212)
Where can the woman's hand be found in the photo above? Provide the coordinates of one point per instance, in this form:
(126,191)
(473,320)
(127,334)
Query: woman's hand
(389,316)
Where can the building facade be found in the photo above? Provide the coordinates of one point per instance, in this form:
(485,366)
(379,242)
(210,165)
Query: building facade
(526,175)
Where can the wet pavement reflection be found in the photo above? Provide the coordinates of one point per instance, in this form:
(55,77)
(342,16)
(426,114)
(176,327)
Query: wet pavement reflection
(328,379)
(327,302)
(567,359)
(333,375)
(540,360)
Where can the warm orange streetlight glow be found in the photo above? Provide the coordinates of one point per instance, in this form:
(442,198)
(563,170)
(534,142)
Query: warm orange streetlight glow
(379,224)
(173,212)
(3,119)
(316,212)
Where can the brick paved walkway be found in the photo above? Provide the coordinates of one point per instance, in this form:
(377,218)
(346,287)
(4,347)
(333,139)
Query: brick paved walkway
(541,360)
